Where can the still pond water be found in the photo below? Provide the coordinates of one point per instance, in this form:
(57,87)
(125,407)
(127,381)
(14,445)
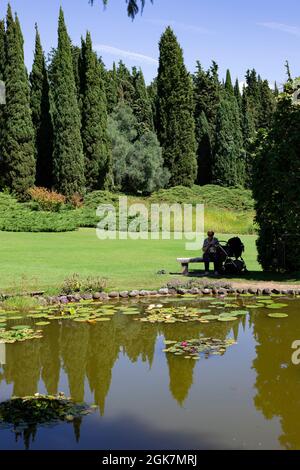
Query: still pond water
(248,398)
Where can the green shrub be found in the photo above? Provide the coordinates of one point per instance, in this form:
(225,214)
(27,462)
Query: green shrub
(211,195)
(29,221)
(75,283)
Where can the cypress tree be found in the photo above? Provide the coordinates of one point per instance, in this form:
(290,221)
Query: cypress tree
(2,72)
(141,102)
(77,68)
(18,136)
(41,118)
(68,151)
(94,120)
(249,136)
(204,152)
(124,84)
(267,105)
(152,93)
(276,189)
(237,93)
(228,161)
(228,83)
(175,119)
(207,94)
(2,49)
(111,88)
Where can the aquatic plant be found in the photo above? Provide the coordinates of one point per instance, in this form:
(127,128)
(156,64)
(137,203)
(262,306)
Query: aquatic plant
(40,409)
(19,333)
(193,348)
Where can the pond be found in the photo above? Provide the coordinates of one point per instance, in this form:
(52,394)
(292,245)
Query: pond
(244,396)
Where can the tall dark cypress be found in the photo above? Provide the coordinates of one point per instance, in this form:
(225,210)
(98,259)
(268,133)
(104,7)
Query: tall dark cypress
(2,72)
(141,102)
(2,49)
(68,150)
(228,162)
(18,136)
(77,68)
(249,136)
(124,84)
(205,151)
(175,113)
(237,93)
(94,120)
(267,105)
(111,88)
(228,83)
(41,117)
(207,95)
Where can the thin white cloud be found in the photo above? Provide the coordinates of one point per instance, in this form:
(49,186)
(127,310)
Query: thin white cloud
(284,28)
(181,26)
(135,56)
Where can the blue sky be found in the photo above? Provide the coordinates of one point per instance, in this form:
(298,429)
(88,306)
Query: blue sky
(235,33)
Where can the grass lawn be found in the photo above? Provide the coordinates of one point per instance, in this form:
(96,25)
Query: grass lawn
(43,260)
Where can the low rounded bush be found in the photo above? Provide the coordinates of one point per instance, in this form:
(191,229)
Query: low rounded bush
(47,200)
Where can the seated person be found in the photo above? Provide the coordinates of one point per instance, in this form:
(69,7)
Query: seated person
(210,252)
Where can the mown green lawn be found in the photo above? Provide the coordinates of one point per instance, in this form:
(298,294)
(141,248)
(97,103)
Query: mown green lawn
(43,260)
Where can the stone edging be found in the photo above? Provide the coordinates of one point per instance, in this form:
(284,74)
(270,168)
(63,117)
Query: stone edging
(164,292)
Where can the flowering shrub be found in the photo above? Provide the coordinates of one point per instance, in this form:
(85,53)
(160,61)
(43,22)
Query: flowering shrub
(50,201)
(76,201)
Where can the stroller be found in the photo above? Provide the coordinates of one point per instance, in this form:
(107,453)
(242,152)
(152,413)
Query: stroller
(230,256)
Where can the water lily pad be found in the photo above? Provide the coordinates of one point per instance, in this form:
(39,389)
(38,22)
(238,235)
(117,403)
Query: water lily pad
(275,306)
(129,312)
(225,319)
(43,323)
(209,317)
(102,319)
(20,327)
(240,312)
(277,315)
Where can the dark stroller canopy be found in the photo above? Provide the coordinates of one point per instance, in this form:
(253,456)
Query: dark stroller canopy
(235,247)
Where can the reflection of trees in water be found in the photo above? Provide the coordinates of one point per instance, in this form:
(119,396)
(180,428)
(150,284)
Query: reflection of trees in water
(74,340)
(90,352)
(181,370)
(278,380)
(136,339)
(103,350)
(50,358)
(22,367)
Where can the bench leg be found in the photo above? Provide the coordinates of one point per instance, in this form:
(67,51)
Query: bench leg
(185,269)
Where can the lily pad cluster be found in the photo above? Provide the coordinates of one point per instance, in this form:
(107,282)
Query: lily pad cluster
(19,333)
(195,348)
(182,314)
(83,312)
(41,409)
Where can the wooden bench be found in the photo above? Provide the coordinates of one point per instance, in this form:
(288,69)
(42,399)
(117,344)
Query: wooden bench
(186,261)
